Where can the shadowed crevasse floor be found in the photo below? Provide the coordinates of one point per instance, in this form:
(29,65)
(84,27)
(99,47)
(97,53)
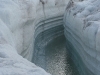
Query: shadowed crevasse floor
(51,54)
(58,61)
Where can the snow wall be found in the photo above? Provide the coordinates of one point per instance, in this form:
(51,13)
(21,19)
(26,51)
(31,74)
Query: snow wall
(21,21)
(81,23)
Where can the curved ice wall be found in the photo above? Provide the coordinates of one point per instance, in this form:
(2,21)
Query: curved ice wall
(82,31)
(42,40)
(20,23)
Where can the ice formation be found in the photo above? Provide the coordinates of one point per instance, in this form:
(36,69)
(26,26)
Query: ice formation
(19,20)
(82,22)
(22,20)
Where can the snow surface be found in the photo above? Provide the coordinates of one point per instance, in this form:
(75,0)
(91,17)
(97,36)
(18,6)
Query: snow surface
(82,30)
(18,20)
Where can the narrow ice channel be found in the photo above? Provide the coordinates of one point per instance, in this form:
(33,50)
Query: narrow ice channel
(50,52)
(57,59)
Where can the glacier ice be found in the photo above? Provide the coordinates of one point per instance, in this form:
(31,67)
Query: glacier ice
(19,20)
(81,22)
(22,20)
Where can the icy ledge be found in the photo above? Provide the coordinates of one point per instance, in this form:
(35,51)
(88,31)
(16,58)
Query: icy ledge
(13,64)
(18,22)
(82,30)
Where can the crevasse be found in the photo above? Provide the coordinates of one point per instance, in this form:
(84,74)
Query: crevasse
(21,22)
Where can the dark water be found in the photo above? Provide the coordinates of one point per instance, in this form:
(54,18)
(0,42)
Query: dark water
(57,58)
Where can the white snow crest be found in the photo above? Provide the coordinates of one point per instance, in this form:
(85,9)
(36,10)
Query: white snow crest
(87,10)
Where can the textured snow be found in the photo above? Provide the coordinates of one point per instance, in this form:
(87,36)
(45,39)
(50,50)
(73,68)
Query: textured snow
(18,20)
(13,64)
(82,30)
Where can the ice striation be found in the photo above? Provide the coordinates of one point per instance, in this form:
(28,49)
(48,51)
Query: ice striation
(23,21)
(20,23)
(82,31)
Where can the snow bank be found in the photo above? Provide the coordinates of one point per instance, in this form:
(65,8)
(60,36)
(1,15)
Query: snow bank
(18,21)
(82,29)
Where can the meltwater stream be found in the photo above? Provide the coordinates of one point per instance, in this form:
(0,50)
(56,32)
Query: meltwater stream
(58,61)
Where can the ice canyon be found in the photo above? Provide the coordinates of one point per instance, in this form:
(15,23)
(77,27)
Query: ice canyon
(39,37)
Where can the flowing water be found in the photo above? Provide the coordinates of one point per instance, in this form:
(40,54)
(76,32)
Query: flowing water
(57,58)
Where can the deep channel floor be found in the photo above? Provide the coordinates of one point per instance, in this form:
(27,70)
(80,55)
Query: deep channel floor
(57,59)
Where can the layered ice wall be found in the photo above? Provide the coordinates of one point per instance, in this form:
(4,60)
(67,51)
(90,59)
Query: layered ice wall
(82,31)
(19,20)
